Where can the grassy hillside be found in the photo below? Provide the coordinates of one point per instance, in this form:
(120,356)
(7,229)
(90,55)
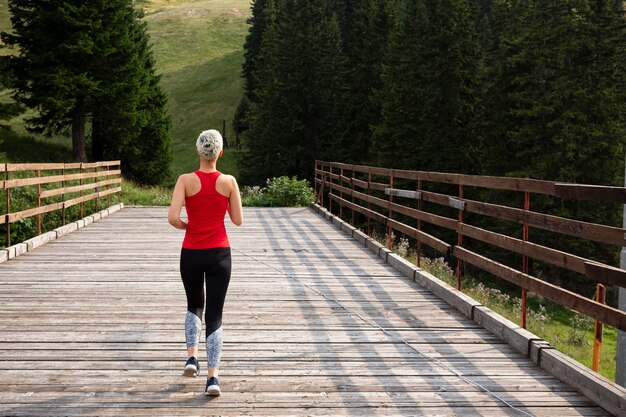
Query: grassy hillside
(198,47)
(199,50)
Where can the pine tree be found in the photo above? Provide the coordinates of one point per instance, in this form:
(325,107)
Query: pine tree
(298,73)
(10,109)
(59,45)
(258,22)
(555,101)
(77,61)
(564,98)
(395,139)
(429,99)
(373,20)
(133,104)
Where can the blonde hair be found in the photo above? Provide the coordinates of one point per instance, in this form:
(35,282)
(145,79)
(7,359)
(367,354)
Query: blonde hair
(209,144)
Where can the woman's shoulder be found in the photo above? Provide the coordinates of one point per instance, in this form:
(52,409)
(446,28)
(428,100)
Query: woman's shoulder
(187,176)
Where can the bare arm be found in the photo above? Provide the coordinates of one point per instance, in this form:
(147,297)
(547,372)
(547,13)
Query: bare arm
(178,198)
(234,203)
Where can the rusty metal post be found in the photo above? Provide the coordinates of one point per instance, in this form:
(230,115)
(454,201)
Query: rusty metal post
(598,330)
(315,178)
(390,213)
(97,189)
(459,243)
(63,196)
(81,194)
(352,199)
(119,193)
(525,262)
(369,205)
(341,193)
(8,197)
(39,203)
(330,188)
(108,195)
(419,226)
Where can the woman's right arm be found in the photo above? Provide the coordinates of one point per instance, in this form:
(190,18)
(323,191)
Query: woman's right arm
(235,212)
(178,198)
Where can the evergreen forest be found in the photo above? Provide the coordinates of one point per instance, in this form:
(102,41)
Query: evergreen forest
(519,88)
(526,88)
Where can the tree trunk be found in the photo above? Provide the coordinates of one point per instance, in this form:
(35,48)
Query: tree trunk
(97,144)
(78,133)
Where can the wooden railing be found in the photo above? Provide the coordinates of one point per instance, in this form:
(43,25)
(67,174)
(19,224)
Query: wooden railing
(58,187)
(370,192)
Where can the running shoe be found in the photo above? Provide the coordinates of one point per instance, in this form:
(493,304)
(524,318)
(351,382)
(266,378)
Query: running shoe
(212,387)
(192,367)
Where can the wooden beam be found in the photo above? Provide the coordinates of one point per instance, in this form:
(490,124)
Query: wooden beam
(13,217)
(58,178)
(591,192)
(602,312)
(68,190)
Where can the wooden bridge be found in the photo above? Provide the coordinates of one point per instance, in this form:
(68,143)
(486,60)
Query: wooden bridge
(317,322)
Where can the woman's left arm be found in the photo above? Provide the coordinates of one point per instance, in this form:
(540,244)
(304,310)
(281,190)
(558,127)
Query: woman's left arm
(235,212)
(178,198)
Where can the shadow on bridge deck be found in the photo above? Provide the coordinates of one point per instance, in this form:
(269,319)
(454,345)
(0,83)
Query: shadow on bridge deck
(315,324)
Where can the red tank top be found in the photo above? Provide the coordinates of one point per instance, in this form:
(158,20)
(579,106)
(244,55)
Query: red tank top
(205,215)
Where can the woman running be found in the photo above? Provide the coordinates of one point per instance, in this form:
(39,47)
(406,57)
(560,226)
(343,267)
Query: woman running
(205,255)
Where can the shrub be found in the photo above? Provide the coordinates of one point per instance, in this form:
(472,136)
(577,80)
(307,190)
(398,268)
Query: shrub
(279,192)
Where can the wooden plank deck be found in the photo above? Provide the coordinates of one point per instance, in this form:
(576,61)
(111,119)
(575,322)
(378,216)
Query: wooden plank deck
(92,324)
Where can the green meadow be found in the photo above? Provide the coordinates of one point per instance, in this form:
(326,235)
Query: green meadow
(198,46)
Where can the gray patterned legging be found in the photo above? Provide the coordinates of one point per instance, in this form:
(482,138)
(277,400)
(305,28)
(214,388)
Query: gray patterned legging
(196,267)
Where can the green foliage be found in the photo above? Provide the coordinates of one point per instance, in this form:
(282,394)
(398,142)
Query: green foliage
(298,73)
(257,23)
(279,192)
(90,60)
(131,123)
(135,194)
(365,50)
(554,108)
(427,98)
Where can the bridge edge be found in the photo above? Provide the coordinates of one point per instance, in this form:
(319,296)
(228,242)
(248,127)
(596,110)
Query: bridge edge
(598,389)
(31,244)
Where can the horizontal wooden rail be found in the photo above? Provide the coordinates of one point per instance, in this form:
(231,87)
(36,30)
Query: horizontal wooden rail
(380,202)
(557,189)
(71,183)
(559,295)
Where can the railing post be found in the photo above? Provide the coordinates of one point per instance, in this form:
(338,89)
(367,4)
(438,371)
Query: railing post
(97,189)
(369,204)
(352,199)
(341,193)
(81,192)
(63,197)
(599,327)
(39,203)
(8,197)
(330,188)
(419,226)
(390,213)
(119,193)
(109,195)
(315,178)
(525,261)
(459,243)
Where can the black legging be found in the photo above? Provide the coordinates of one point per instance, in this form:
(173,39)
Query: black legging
(215,265)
